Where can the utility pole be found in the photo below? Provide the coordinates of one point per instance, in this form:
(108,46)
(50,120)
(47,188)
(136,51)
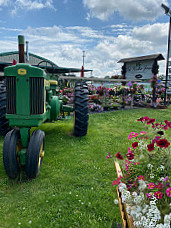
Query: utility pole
(168,13)
(83,57)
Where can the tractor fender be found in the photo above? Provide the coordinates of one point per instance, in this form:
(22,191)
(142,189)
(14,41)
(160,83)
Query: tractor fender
(55,108)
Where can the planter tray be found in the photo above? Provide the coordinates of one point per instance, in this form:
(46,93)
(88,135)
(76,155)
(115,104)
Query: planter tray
(127,221)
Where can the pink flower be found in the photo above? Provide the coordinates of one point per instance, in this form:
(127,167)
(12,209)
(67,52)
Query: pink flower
(134,145)
(166,178)
(168,192)
(132,134)
(148,195)
(158,195)
(143,132)
(109,156)
(129,150)
(151,185)
(115,182)
(159,186)
(141,177)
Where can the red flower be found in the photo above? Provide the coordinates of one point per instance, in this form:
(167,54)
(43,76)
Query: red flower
(165,127)
(156,138)
(142,119)
(150,121)
(119,156)
(130,156)
(134,145)
(158,194)
(168,124)
(163,143)
(157,124)
(145,118)
(150,147)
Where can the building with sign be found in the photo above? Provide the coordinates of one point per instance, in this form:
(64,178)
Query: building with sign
(140,67)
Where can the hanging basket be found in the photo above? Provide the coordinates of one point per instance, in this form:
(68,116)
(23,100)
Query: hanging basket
(127,221)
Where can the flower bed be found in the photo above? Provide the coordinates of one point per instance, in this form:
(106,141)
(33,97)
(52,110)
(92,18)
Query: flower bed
(144,183)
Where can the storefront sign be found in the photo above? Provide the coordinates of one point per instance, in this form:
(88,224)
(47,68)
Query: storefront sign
(139,69)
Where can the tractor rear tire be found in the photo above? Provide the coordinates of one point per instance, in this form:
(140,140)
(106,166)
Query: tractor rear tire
(12,145)
(4,124)
(35,153)
(81,109)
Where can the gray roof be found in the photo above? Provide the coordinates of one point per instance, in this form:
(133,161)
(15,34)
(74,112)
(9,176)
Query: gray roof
(6,59)
(141,58)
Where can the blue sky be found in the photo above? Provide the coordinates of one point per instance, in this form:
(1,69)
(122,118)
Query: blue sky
(107,30)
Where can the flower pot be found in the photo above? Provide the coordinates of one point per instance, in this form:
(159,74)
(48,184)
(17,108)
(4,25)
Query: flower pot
(127,221)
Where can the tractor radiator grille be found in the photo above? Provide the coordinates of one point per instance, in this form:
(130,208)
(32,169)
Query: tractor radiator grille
(36,96)
(11,95)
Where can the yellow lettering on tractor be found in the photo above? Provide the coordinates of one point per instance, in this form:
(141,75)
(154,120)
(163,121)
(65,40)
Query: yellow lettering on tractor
(22,71)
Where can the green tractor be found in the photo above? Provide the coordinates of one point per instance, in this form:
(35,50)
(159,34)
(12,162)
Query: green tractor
(30,100)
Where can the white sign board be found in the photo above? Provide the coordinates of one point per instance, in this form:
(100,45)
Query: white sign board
(169,90)
(139,69)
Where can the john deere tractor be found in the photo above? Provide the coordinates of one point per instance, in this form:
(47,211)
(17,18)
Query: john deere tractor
(30,101)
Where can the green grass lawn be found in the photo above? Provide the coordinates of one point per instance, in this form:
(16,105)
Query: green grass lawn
(73,188)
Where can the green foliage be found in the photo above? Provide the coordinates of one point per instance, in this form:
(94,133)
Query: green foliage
(73,188)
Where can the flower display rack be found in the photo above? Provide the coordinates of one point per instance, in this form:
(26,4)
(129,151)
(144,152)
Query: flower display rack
(127,221)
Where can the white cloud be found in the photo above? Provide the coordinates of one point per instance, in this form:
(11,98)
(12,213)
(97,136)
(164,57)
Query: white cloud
(64,45)
(31,5)
(4,2)
(156,33)
(130,9)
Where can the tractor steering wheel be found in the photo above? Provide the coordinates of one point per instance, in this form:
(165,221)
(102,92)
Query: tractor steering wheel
(47,62)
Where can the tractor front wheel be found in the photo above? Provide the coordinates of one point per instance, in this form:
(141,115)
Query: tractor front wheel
(12,145)
(35,153)
(81,109)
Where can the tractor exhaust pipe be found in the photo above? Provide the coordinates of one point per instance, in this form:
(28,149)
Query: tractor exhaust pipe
(21,49)
(27,52)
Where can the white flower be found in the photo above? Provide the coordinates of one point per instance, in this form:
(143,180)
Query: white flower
(115,201)
(122,186)
(161,179)
(142,185)
(149,166)
(134,194)
(162,167)
(167,219)
(151,176)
